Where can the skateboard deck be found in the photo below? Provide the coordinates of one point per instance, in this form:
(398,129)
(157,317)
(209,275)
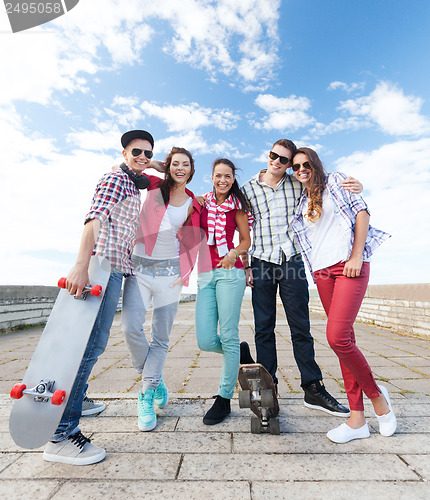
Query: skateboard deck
(259,394)
(44,392)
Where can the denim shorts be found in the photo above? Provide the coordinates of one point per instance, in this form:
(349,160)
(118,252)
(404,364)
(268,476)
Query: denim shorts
(154,267)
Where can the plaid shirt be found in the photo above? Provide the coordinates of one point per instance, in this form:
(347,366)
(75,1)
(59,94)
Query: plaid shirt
(273,211)
(116,204)
(346,207)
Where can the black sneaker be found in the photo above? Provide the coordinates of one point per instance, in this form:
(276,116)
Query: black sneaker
(317,398)
(245,354)
(218,411)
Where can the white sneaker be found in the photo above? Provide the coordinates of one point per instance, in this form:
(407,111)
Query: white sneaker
(75,450)
(344,433)
(387,423)
(90,407)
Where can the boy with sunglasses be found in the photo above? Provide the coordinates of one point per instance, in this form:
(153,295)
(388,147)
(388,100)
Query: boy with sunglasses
(109,231)
(276,263)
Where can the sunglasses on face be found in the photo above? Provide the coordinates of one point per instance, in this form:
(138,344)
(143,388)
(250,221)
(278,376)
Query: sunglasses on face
(305,165)
(283,159)
(137,152)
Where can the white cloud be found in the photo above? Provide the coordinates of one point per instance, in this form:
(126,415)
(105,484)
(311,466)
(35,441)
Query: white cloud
(396,178)
(222,37)
(393,111)
(194,142)
(337,125)
(60,55)
(284,113)
(190,116)
(349,88)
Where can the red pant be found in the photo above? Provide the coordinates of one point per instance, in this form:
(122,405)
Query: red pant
(341,298)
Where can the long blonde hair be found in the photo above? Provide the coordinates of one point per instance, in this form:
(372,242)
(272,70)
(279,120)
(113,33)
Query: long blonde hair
(316,184)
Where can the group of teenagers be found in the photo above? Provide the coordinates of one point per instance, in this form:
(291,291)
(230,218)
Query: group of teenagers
(304,216)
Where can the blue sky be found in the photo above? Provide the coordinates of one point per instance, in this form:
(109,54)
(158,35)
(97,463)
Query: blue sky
(226,78)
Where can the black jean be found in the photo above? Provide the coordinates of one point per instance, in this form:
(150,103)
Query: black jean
(290,278)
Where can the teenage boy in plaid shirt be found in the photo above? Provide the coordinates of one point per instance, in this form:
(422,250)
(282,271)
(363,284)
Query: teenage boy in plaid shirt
(110,230)
(276,262)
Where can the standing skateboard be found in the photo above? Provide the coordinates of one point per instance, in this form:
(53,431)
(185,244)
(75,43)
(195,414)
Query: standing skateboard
(259,393)
(42,396)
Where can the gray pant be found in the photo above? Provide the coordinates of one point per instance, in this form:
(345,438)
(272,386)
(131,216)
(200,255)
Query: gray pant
(151,284)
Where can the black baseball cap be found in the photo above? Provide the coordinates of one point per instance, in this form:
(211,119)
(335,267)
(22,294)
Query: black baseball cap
(131,135)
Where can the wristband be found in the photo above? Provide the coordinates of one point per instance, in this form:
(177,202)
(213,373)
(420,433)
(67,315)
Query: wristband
(235,252)
(233,260)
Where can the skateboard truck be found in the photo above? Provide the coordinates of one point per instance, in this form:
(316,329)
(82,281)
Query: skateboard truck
(94,290)
(258,394)
(42,392)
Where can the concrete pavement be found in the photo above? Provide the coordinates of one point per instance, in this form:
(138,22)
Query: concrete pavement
(184,459)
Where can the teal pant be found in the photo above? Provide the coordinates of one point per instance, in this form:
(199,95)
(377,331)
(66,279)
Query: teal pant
(219,299)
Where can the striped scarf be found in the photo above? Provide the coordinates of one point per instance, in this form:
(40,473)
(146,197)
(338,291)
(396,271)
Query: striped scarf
(217,220)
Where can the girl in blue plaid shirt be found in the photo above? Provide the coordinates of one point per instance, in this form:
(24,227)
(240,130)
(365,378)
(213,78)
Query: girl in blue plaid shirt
(332,228)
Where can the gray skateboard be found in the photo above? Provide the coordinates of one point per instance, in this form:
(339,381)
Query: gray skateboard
(42,396)
(259,394)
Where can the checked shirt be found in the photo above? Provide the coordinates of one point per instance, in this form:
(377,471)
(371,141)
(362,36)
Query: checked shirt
(116,204)
(273,211)
(347,206)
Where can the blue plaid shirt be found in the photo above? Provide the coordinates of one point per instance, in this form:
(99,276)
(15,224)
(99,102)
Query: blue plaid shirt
(273,210)
(346,207)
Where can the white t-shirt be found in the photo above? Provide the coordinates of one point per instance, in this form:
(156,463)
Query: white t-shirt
(329,239)
(167,244)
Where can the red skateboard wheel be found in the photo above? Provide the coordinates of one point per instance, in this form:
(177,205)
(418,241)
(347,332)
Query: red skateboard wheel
(58,397)
(96,290)
(62,282)
(17,390)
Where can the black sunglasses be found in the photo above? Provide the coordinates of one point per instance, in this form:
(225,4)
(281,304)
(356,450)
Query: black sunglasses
(283,159)
(137,152)
(305,165)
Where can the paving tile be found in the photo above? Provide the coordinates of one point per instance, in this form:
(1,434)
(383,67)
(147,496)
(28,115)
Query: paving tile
(164,442)
(318,443)
(8,444)
(167,489)
(408,425)
(126,424)
(421,385)
(420,464)
(6,459)
(415,361)
(25,489)
(297,467)
(395,372)
(115,466)
(234,423)
(4,424)
(317,490)
(408,409)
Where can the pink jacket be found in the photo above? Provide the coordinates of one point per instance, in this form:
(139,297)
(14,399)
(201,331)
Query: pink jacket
(189,236)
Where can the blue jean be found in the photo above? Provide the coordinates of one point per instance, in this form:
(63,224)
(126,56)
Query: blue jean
(152,284)
(96,346)
(290,278)
(219,299)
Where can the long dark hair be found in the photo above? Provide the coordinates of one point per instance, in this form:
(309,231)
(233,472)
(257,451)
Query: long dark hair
(235,189)
(316,184)
(168,182)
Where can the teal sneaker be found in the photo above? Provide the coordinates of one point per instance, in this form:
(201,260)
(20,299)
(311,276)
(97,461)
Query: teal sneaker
(161,397)
(147,419)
